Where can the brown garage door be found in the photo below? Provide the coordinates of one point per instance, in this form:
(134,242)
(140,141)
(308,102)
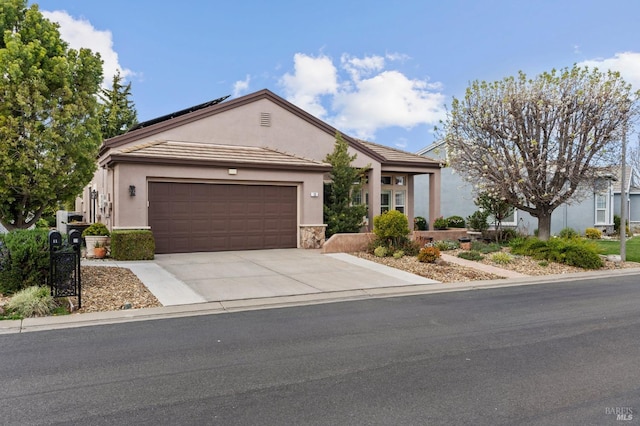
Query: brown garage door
(192,217)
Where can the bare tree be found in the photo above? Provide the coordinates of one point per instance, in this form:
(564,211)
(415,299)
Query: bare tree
(537,143)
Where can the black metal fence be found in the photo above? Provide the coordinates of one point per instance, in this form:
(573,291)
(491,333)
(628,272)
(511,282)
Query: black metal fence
(64,265)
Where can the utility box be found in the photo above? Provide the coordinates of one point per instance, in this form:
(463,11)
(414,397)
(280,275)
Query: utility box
(64,218)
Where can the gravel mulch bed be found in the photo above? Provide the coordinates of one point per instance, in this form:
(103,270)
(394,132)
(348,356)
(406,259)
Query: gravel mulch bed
(107,288)
(448,272)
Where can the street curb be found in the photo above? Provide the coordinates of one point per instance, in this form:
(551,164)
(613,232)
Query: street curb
(240,305)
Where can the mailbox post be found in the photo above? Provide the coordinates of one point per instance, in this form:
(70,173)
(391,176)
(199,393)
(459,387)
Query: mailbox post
(64,265)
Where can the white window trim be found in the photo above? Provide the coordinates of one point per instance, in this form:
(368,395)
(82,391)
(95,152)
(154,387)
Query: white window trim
(606,209)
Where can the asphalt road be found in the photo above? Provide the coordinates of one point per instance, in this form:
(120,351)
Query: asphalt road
(557,354)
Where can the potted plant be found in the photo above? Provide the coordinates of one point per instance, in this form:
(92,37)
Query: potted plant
(99,250)
(440,223)
(96,232)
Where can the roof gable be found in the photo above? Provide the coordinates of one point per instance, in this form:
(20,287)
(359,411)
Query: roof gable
(385,155)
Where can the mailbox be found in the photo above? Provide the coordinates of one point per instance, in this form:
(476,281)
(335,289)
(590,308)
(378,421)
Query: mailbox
(75,238)
(55,240)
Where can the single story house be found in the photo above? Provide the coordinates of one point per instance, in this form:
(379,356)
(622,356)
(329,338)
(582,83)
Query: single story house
(246,173)
(596,211)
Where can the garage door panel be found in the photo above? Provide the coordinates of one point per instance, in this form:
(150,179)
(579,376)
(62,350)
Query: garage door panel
(187,217)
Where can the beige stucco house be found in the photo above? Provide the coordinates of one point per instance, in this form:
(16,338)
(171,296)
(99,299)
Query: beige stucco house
(239,174)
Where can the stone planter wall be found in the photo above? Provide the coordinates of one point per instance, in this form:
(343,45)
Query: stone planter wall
(312,236)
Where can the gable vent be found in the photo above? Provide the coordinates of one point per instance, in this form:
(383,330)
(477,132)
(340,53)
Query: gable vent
(265,119)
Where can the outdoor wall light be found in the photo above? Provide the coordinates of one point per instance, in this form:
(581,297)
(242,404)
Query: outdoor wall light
(233,171)
(132,190)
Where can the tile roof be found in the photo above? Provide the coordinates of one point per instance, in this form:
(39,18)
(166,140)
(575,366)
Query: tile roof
(176,152)
(396,156)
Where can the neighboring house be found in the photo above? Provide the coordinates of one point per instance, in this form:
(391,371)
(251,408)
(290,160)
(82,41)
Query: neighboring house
(246,173)
(597,210)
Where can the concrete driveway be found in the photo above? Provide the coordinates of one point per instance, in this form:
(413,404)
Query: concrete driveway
(222,276)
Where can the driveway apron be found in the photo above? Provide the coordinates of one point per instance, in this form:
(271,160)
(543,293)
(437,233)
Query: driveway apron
(236,275)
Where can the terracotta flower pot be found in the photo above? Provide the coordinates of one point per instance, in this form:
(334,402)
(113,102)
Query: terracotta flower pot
(99,252)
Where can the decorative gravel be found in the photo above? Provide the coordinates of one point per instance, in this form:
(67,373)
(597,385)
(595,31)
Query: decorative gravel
(106,288)
(447,272)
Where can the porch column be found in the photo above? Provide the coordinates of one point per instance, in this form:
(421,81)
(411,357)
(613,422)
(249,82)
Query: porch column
(375,186)
(434,197)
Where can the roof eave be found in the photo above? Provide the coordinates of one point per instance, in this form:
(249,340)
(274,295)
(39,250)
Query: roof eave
(131,159)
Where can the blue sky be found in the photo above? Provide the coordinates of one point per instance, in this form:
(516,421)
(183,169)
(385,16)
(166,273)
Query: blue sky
(381,70)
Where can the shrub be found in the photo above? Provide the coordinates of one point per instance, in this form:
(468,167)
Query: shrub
(24,259)
(478,221)
(380,251)
(455,222)
(446,245)
(420,224)
(593,233)
(485,248)
(501,258)
(137,244)
(583,255)
(568,233)
(574,252)
(440,223)
(398,254)
(616,225)
(471,255)
(34,301)
(429,254)
(391,226)
(96,229)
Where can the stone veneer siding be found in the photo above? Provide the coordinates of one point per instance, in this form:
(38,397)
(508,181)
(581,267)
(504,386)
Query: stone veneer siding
(312,236)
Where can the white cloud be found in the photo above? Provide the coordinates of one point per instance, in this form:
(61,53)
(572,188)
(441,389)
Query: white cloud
(313,77)
(80,33)
(358,67)
(241,87)
(626,63)
(365,97)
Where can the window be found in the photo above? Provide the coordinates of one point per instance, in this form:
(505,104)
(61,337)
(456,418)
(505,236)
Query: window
(394,193)
(357,198)
(399,200)
(601,209)
(385,201)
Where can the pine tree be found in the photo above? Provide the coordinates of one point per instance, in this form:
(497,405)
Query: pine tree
(340,212)
(117,112)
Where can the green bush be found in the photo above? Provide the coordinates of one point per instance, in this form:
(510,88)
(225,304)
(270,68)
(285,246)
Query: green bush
(446,245)
(583,256)
(381,251)
(391,225)
(440,223)
(478,221)
(574,252)
(136,244)
(428,254)
(616,225)
(34,301)
(420,224)
(501,258)
(398,254)
(485,248)
(568,233)
(24,259)
(593,233)
(96,229)
(455,222)
(471,255)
